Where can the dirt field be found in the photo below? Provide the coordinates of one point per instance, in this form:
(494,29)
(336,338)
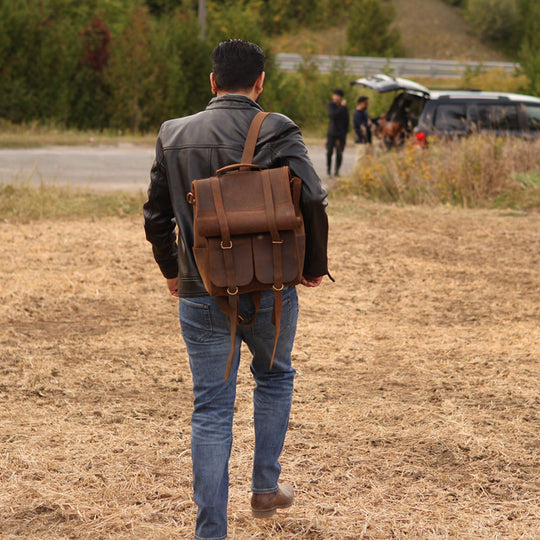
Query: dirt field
(416,410)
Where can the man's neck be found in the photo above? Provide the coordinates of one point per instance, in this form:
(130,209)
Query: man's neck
(251,94)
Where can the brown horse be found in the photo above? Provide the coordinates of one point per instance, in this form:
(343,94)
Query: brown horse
(391,132)
(390,129)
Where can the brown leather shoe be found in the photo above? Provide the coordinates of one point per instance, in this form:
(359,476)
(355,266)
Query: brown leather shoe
(264,505)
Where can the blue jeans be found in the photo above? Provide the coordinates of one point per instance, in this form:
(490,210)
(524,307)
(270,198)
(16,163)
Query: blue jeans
(206,332)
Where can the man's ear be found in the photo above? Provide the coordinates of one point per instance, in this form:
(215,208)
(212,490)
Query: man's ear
(213,84)
(259,84)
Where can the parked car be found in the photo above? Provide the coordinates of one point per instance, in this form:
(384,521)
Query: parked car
(419,112)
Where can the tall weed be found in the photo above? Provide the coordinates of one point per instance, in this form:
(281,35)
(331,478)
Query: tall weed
(477,172)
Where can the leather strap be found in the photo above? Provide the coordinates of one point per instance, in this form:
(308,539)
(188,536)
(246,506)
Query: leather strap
(234,302)
(230,306)
(277,242)
(296,192)
(276,319)
(252,136)
(277,248)
(226,241)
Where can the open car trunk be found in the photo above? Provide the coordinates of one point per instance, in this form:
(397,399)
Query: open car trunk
(403,115)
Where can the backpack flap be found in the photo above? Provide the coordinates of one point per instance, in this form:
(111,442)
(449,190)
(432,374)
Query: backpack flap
(244,203)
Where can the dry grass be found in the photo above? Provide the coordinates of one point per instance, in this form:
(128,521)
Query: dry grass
(36,134)
(416,410)
(477,171)
(23,201)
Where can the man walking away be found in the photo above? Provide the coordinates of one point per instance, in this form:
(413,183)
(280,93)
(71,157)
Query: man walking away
(195,147)
(336,136)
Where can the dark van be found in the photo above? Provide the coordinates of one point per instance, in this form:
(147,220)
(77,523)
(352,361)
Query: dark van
(453,113)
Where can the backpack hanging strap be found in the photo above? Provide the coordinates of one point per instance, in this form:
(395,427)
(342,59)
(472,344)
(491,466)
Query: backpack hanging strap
(233,304)
(230,306)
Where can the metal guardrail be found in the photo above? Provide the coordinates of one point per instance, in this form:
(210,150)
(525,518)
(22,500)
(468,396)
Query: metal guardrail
(399,67)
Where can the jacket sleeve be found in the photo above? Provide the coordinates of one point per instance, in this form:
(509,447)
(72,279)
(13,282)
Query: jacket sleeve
(292,151)
(159,221)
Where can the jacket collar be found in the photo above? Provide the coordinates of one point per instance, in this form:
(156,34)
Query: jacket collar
(232,101)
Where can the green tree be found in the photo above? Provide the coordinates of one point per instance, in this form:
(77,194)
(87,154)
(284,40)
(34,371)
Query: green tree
(45,72)
(497,21)
(529,53)
(164,7)
(234,19)
(371,30)
(241,19)
(281,16)
(37,59)
(131,73)
(91,93)
(183,66)
(15,96)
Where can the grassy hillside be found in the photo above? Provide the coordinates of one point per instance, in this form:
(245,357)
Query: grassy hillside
(434,29)
(429,29)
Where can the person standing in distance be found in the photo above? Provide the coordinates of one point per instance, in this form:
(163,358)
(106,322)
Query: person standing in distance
(362,130)
(195,147)
(336,135)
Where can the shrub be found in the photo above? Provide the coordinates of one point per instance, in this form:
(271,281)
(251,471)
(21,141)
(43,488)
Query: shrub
(480,171)
(496,80)
(303,96)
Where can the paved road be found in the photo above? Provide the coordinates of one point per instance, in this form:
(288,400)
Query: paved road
(123,167)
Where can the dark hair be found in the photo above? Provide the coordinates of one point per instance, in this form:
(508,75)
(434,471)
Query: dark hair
(236,64)
(338,91)
(361,99)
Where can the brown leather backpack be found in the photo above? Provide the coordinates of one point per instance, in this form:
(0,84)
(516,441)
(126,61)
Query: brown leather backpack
(248,234)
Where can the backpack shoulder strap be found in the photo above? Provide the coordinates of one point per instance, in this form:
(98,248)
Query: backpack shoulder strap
(252,136)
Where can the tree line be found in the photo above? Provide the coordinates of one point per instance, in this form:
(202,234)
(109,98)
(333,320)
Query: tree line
(130,64)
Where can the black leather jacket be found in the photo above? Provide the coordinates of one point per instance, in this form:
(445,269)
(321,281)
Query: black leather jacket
(339,120)
(195,147)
